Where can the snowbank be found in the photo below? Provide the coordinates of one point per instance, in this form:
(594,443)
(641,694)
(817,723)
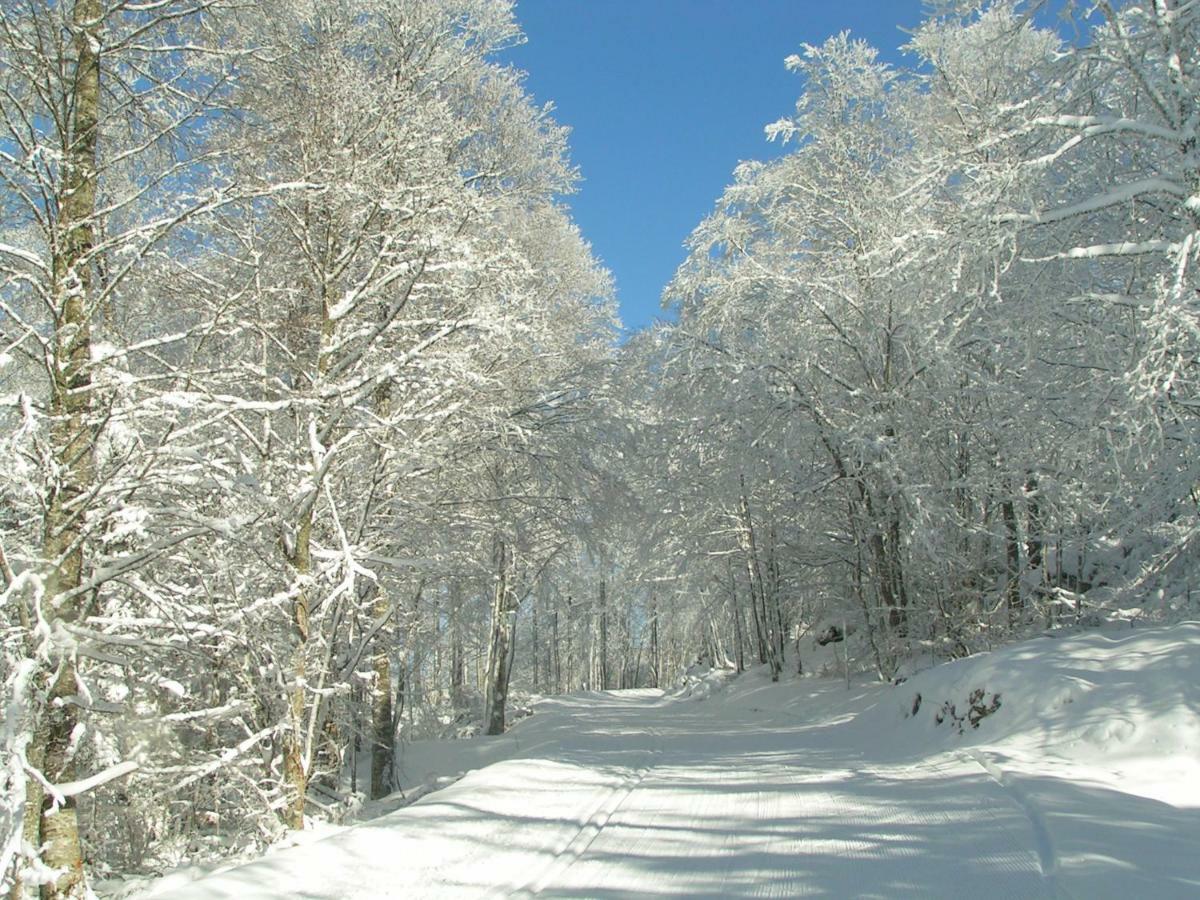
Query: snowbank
(1122,704)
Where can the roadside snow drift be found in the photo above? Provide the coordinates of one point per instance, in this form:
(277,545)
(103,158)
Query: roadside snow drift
(1060,767)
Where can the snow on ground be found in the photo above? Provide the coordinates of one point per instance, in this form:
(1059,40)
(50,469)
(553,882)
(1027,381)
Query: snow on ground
(1082,779)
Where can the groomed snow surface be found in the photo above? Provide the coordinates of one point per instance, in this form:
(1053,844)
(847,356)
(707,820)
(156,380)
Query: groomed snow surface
(1083,781)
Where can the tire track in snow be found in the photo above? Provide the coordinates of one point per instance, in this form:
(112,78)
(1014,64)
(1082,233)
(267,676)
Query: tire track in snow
(600,816)
(1043,844)
(1008,853)
(848,840)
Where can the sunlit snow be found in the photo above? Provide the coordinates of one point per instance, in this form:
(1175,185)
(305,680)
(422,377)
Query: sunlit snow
(1083,782)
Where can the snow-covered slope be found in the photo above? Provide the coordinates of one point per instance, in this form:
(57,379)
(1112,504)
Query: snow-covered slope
(1121,706)
(1082,779)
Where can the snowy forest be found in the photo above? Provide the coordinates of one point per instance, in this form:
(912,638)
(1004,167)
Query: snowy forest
(319,432)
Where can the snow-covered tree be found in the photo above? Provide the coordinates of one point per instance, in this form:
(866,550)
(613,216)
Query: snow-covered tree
(106,169)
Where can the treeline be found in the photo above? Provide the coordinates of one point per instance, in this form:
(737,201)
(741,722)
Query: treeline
(934,377)
(311,398)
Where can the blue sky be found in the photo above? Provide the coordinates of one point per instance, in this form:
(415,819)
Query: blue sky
(664,98)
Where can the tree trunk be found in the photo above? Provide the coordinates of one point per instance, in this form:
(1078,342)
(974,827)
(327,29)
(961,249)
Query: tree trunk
(411,680)
(760,645)
(739,638)
(1034,542)
(776,590)
(898,617)
(534,641)
(570,652)
(602,662)
(654,655)
(502,646)
(382,725)
(858,578)
(1035,538)
(764,620)
(458,662)
(1013,557)
(557,658)
(301,734)
(72,435)
(295,763)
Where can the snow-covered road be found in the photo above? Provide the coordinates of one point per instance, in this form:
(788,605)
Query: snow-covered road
(633,793)
(769,806)
(1083,783)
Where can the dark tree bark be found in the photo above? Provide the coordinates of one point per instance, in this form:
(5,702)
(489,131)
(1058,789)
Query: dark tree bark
(382,725)
(502,645)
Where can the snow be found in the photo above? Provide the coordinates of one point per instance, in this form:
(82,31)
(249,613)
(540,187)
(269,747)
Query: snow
(1082,781)
(83,785)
